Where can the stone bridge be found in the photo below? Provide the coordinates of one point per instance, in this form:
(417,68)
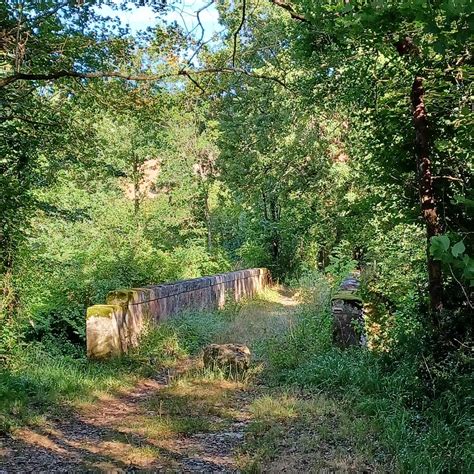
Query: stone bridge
(115,327)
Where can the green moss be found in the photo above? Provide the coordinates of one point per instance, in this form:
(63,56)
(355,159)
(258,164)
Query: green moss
(121,296)
(347,296)
(124,295)
(102,310)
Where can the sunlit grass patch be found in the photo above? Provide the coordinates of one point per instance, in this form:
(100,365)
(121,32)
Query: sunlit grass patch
(300,432)
(167,424)
(243,377)
(258,320)
(275,408)
(288,405)
(271,294)
(185,407)
(142,456)
(194,404)
(39,382)
(124,449)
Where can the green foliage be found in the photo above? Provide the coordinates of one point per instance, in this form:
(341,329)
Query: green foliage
(38,376)
(340,262)
(102,221)
(300,160)
(385,389)
(453,256)
(190,331)
(311,333)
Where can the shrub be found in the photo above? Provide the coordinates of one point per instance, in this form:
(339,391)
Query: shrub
(385,388)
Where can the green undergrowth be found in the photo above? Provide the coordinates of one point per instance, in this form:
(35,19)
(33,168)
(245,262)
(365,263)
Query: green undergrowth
(381,399)
(296,430)
(315,407)
(39,379)
(419,434)
(42,378)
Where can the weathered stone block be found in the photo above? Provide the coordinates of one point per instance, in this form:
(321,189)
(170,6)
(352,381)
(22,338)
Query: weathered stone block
(227,357)
(103,330)
(348,323)
(348,316)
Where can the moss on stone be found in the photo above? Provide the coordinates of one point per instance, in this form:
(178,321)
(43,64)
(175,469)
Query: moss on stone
(102,310)
(122,296)
(347,296)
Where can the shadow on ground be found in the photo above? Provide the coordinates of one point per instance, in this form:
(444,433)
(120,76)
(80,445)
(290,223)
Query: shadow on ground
(188,420)
(155,427)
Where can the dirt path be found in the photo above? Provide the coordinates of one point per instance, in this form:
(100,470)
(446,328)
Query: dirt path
(109,438)
(178,421)
(187,419)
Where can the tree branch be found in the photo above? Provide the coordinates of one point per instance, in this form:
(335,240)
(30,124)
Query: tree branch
(196,83)
(49,76)
(237,31)
(448,178)
(35,21)
(27,120)
(200,42)
(462,287)
(293,13)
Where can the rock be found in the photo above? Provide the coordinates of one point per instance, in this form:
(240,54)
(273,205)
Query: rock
(227,357)
(350,284)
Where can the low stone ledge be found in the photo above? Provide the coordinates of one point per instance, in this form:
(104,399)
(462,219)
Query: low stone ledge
(113,328)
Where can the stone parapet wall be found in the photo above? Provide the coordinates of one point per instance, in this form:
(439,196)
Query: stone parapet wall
(348,315)
(115,327)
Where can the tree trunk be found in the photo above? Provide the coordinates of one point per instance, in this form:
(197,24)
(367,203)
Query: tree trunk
(275,217)
(425,187)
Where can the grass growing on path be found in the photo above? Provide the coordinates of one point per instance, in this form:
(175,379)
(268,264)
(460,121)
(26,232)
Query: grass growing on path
(63,409)
(304,405)
(380,417)
(294,431)
(40,378)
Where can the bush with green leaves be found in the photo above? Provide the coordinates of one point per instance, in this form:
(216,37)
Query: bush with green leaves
(386,389)
(452,252)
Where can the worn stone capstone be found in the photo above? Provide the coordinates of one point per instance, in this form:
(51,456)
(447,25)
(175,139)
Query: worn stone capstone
(227,357)
(348,316)
(114,328)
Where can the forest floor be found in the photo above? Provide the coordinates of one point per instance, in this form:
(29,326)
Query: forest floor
(186,419)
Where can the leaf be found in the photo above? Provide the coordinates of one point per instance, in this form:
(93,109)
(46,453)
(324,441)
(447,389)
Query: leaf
(439,246)
(444,239)
(463,200)
(458,249)
(468,273)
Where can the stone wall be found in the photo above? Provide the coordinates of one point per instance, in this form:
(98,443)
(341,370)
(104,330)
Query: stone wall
(113,328)
(348,315)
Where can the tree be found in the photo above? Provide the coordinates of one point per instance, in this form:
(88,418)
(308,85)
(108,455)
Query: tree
(422,34)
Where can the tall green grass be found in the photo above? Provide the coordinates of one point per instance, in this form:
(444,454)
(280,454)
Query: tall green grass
(41,378)
(420,432)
